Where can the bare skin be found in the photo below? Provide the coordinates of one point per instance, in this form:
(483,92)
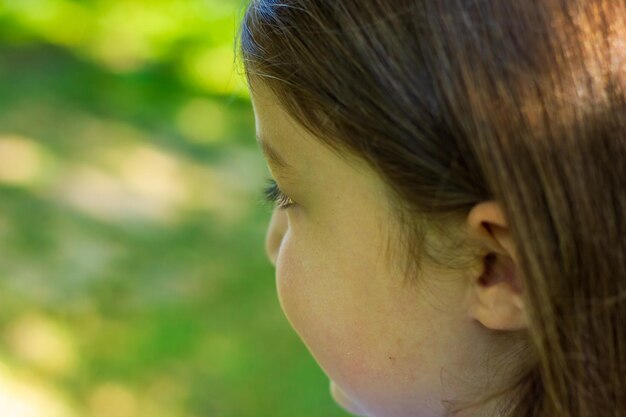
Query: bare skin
(390,349)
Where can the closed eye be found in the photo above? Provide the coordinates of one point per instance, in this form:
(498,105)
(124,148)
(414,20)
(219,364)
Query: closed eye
(275,196)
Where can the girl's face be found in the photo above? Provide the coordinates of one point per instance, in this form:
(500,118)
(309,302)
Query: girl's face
(387,345)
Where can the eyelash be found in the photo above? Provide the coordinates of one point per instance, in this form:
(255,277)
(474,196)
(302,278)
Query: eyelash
(275,196)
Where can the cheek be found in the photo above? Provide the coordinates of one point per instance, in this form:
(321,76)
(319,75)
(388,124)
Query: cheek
(336,305)
(317,298)
(276,229)
(298,285)
(354,322)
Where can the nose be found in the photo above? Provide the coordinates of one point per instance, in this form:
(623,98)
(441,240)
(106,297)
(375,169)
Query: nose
(275,232)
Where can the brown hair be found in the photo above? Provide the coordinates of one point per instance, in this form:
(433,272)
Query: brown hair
(455,102)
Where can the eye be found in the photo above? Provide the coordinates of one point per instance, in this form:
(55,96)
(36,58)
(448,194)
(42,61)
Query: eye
(275,196)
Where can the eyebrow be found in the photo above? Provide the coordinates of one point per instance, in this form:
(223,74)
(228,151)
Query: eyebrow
(273,156)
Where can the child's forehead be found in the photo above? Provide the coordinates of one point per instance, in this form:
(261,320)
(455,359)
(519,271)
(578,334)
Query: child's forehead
(262,94)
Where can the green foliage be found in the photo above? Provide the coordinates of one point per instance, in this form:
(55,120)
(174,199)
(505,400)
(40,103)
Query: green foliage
(133,280)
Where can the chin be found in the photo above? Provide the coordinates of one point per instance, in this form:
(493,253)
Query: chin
(344,401)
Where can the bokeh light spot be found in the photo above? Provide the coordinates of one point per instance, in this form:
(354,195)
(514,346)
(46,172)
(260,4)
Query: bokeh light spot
(27,397)
(43,343)
(203,120)
(20,160)
(113,400)
(60,21)
(212,69)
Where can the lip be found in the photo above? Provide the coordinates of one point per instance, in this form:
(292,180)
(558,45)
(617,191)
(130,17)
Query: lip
(342,399)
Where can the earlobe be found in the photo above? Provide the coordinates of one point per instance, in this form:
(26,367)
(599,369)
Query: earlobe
(501,314)
(497,289)
(498,301)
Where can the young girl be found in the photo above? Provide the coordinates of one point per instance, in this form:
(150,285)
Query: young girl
(450,181)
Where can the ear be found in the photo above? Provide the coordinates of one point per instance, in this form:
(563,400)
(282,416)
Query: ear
(497,289)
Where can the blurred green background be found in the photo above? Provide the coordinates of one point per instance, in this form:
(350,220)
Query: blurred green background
(133,280)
